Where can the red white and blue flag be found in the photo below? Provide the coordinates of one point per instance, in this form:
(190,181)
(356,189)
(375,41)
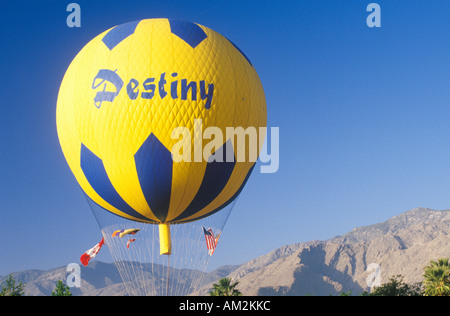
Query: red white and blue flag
(211,240)
(91,253)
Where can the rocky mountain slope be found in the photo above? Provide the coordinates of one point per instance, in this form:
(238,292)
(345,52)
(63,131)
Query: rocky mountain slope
(402,245)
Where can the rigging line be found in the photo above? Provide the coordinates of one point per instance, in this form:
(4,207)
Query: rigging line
(168,267)
(185,263)
(141,256)
(181,255)
(186,266)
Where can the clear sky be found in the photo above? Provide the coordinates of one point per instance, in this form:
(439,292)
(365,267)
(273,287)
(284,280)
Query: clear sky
(363,115)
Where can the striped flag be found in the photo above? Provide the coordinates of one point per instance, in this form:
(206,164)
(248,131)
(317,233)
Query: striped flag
(91,253)
(211,240)
(123,232)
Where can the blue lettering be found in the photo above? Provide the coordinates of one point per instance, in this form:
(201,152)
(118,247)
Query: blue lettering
(206,95)
(187,89)
(111,77)
(131,89)
(162,82)
(173,87)
(148,86)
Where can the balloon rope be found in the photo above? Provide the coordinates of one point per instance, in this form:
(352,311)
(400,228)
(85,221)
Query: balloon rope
(168,266)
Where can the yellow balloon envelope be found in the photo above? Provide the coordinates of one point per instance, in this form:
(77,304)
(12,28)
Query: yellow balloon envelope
(122,100)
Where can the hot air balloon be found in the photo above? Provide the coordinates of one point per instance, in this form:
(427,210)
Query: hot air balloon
(122,98)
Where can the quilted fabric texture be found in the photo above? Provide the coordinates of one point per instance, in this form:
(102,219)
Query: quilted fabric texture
(125,93)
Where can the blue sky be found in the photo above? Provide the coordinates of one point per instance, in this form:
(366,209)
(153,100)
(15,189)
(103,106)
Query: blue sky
(363,116)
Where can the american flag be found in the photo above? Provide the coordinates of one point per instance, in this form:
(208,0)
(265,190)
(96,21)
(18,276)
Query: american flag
(211,240)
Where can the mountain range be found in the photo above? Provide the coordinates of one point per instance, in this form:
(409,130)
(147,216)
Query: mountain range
(361,258)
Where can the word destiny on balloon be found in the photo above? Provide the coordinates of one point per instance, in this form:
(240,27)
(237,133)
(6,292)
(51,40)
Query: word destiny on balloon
(149,87)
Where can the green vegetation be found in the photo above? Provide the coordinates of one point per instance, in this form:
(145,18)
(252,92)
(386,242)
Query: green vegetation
(10,288)
(436,282)
(396,287)
(61,289)
(437,278)
(225,288)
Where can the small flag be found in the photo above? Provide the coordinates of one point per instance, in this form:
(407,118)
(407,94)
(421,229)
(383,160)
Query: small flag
(91,253)
(130,241)
(123,232)
(211,240)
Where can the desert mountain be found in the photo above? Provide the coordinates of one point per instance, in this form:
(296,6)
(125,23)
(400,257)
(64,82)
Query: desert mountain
(402,245)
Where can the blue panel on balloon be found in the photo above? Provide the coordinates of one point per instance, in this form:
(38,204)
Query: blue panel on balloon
(154,167)
(233,197)
(95,173)
(119,33)
(214,181)
(189,32)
